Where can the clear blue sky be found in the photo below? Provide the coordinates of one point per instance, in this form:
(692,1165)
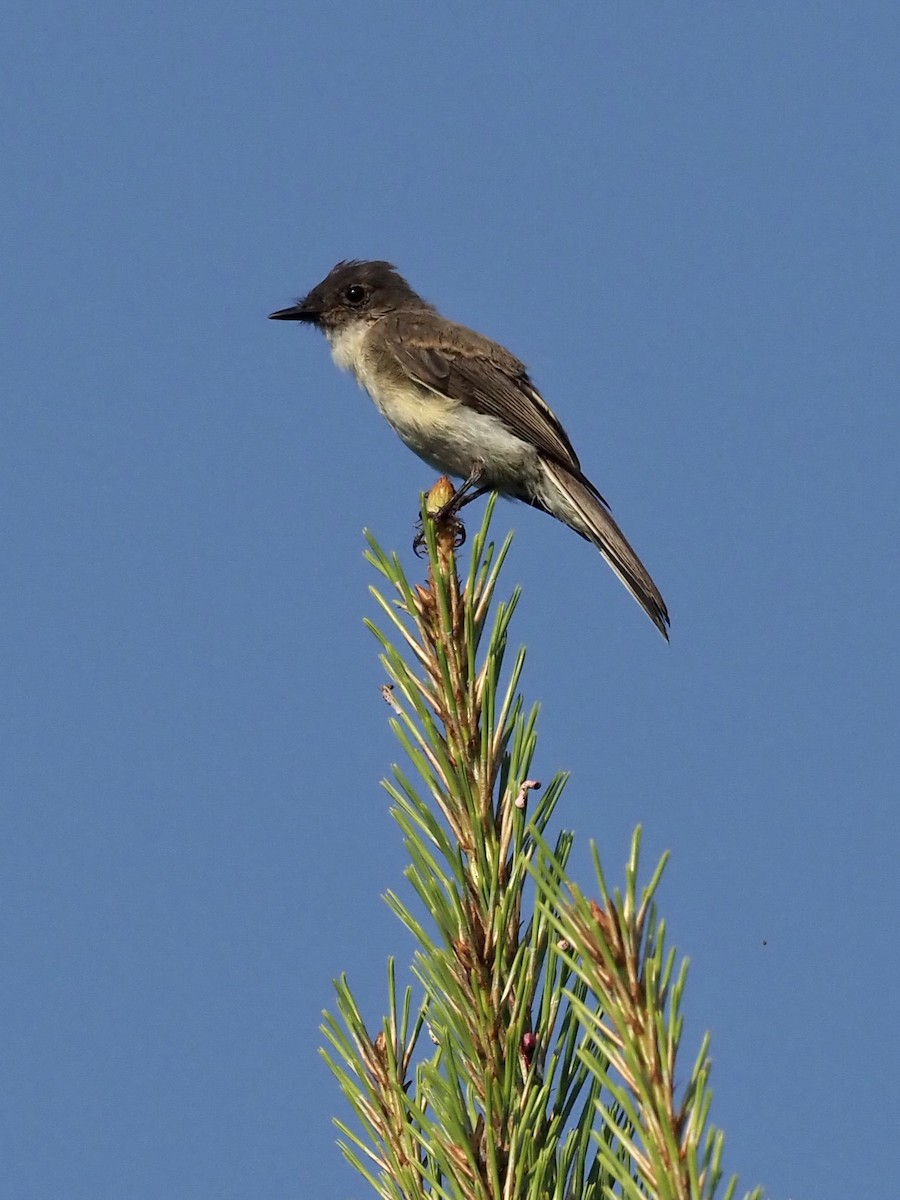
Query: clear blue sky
(685,219)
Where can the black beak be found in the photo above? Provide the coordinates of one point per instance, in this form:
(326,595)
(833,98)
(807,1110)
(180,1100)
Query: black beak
(300,311)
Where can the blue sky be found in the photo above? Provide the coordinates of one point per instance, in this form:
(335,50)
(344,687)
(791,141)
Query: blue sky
(684,219)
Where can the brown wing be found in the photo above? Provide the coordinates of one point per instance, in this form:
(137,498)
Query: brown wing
(460,364)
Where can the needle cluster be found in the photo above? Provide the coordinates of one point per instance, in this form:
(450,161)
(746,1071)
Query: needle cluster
(535,1052)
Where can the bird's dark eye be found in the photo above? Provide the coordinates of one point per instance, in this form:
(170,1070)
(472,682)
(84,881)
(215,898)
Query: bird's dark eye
(356,294)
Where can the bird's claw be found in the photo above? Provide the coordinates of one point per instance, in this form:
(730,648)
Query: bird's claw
(443,521)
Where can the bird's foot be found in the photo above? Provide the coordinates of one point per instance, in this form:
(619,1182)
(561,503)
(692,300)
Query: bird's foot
(443,521)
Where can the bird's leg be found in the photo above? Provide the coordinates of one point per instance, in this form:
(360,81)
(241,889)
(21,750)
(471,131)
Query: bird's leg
(447,512)
(459,499)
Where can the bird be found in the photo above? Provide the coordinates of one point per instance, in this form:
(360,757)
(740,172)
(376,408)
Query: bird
(465,405)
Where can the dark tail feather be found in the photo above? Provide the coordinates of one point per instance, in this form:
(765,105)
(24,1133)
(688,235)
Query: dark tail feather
(580,505)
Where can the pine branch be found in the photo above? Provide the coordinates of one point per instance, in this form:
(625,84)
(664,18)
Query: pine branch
(539,1059)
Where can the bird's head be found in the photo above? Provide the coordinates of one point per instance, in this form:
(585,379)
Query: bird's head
(354,290)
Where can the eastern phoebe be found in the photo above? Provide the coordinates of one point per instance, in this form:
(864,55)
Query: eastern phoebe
(465,405)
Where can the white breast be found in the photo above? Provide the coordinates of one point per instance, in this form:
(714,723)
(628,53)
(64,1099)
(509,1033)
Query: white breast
(445,433)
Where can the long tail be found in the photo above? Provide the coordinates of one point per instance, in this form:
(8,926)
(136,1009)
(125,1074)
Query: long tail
(578,503)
